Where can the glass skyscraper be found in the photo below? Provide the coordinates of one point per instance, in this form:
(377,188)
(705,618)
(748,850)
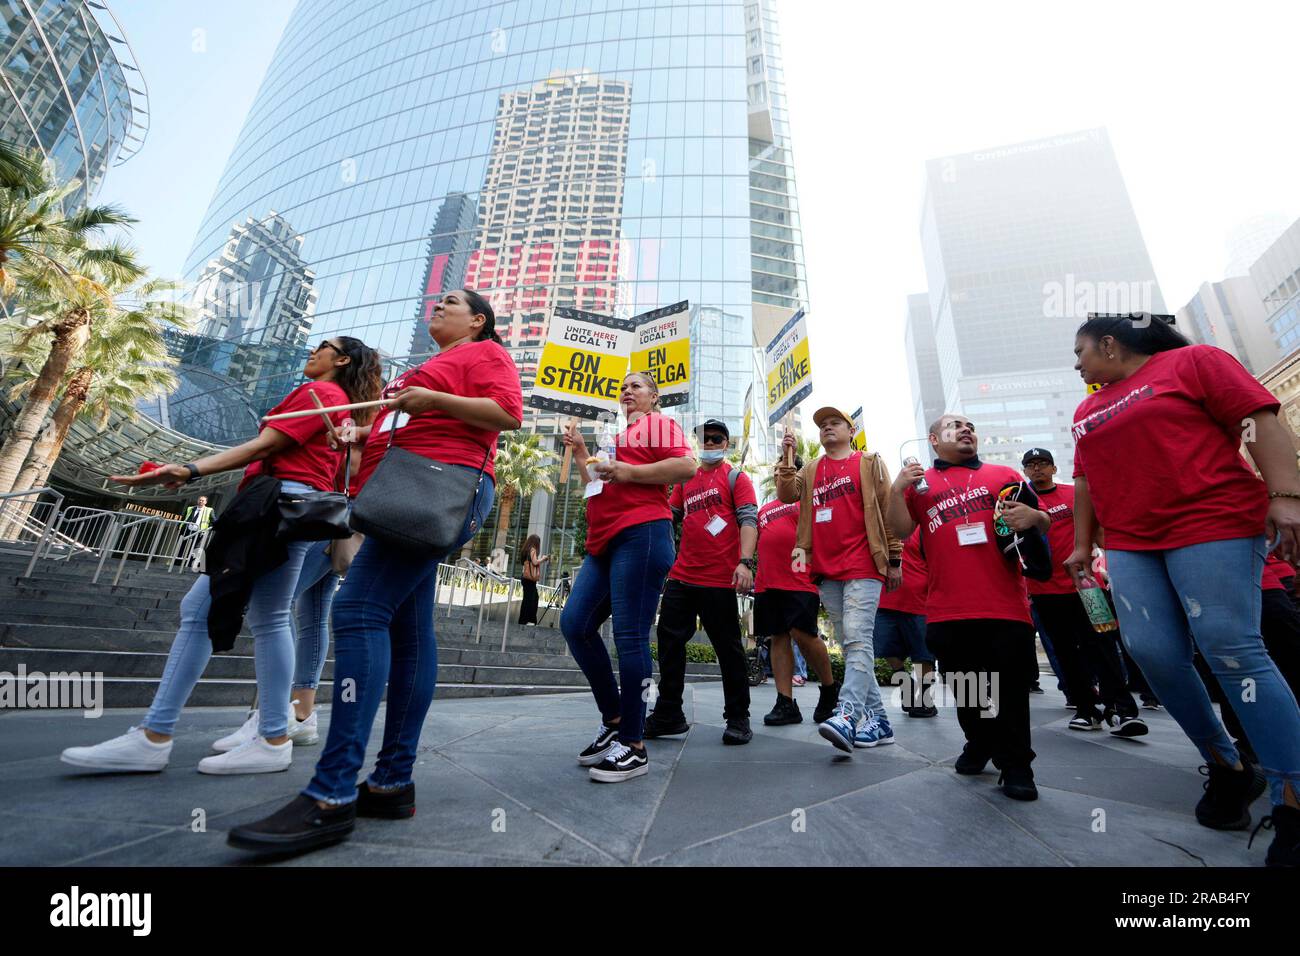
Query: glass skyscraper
(1020,243)
(616,156)
(70,88)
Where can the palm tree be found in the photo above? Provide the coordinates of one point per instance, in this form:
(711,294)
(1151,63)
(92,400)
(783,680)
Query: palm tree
(523,467)
(124,361)
(803,448)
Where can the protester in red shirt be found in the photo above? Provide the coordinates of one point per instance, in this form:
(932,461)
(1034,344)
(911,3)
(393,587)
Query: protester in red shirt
(451,410)
(786,603)
(1158,465)
(977,615)
(299,454)
(1080,649)
(715,562)
(629,552)
(900,632)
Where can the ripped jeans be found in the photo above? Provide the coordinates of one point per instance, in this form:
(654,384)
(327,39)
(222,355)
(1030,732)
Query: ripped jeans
(1209,594)
(852,609)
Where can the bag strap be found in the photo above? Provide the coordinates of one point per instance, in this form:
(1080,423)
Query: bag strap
(487,452)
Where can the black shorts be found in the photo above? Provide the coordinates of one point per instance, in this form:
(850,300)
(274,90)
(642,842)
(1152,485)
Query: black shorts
(777,612)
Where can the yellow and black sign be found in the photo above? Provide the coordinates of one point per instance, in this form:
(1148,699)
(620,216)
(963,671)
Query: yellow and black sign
(583,364)
(788,367)
(859,441)
(662,350)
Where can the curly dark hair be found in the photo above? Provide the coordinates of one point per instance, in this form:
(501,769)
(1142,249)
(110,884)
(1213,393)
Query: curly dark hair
(1144,334)
(362,379)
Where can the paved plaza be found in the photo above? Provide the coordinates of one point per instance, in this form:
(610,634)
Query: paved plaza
(497,784)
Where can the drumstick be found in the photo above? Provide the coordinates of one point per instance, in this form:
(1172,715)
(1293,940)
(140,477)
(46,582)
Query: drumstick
(328,408)
(329,424)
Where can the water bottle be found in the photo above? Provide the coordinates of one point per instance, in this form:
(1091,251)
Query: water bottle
(606,448)
(922,486)
(1098,608)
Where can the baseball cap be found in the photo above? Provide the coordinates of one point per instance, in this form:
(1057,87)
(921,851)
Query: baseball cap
(824,413)
(714,424)
(1033,453)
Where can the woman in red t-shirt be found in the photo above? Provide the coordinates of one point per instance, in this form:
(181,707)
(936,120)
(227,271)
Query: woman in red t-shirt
(1157,464)
(629,553)
(451,410)
(301,453)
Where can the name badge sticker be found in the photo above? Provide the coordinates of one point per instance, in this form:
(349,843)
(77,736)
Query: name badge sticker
(968,534)
(716,526)
(823,515)
(394,421)
(593,488)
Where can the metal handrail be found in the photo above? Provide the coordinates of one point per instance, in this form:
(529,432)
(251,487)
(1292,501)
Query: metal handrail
(45,532)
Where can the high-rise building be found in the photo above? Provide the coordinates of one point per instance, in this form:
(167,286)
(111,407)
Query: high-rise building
(70,88)
(611,157)
(1230,315)
(1248,240)
(1276,275)
(1020,243)
(922,364)
(450,242)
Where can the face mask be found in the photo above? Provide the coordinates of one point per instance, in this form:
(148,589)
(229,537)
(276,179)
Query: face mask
(713,456)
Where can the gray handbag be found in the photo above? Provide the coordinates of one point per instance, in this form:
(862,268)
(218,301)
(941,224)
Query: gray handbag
(416,504)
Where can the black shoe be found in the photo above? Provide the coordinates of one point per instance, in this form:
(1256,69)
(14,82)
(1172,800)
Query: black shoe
(1228,796)
(657,726)
(621,763)
(1069,704)
(826,702)
(1133,726)
(1034,688)
(1018,783)
(1284,821)
(923,710)
(737,732)
(786,711)
(386,804)
(970,763)
(606,737)
(299,825)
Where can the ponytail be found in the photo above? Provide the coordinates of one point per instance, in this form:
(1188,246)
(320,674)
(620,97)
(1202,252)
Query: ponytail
(478,305)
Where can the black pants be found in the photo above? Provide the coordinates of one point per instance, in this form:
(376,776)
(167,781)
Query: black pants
(716,610)
(1082,652)
(1280,625)
(528,606)
(988,647)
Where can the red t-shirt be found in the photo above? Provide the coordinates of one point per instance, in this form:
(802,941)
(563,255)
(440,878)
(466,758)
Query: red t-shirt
(310,460)
(910,596)
(620,505)
(778,527)
(471,370)
(1160,450)
(1059,505)
(706,559)
(1275,570)
(841,550)
(973,580)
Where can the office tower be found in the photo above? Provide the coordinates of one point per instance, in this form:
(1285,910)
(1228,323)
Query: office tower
(1230,315)
(1276,276)
(450,242)
(1020,243)
(922,367)
(1248,240)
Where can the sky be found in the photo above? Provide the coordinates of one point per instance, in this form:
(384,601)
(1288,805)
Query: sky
(1198,98)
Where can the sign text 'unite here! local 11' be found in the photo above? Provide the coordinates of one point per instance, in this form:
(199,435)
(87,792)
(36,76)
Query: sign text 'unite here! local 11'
(788,368)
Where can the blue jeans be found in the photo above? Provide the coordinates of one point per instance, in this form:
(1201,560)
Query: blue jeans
(1209,594)
(851,606)
(383,636)
(1049,648)
(314,595)
(625,581)
(800,665)
(268,617)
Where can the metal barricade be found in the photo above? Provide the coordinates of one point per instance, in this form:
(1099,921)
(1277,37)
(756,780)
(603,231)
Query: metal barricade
(27,527)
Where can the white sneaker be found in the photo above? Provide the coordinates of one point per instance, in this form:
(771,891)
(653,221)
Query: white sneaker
(240,737)
(133,751)
(303,732)
(255,756)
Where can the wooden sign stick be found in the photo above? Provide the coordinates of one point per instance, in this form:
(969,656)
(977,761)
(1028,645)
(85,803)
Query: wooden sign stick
(568,455)
(328,408)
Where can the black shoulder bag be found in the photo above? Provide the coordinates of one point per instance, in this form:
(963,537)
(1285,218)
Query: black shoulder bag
(414,503)
(315,515)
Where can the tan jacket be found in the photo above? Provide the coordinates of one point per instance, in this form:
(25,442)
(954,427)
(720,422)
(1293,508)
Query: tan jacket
(794,485)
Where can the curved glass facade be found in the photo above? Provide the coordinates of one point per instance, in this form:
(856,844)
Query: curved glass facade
(70,88)
(614,156)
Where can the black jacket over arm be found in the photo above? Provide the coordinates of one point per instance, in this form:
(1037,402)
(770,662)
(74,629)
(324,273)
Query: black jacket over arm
(242,548)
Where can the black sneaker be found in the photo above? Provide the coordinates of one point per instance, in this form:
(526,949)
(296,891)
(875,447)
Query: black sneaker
(1228,796)
(786,711)
(737,731)
(657,726)
(1133,726)
(1018,783)
(923,710)
(1085,722)
(970,763)
(596,750)
(827,700)
(1284,821)
(1034,688)
(299,825)
(1150,703)
(396,804)
(621,763)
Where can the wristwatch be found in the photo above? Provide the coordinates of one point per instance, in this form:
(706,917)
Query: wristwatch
(751,563)
(194,471)
(895,562)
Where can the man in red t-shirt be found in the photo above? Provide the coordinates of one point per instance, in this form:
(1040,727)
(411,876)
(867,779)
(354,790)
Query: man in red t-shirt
(715,561)
(977,615)
(1080,649)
